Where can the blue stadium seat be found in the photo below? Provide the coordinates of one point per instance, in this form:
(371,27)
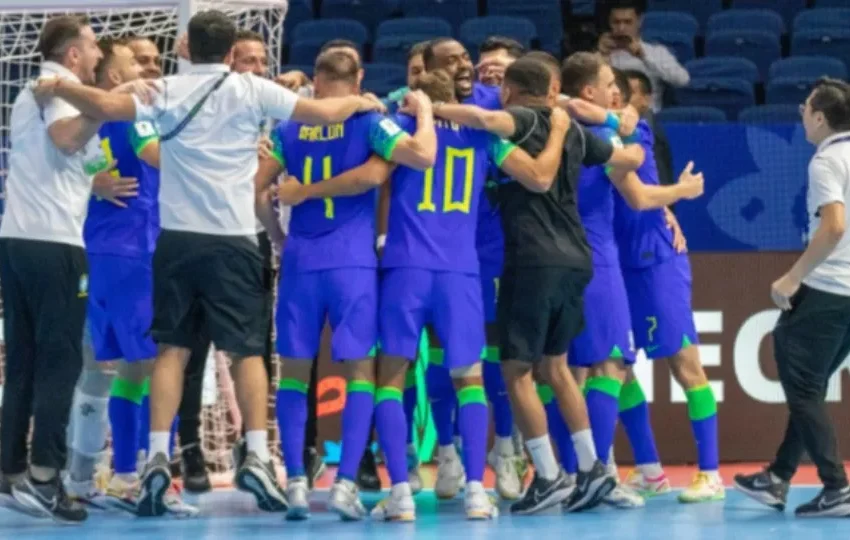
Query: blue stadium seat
(305,52)
(655,21)
(762,48)
(729,95)
(788,9)
(415,26)
(327,29)
(380,76)
(808,66)
(394,49)
(830,3)
(298,12)
(453,11)
(545,14)
(723,66)
(746,19)
(770,114)
(822,18)
(691,115)
(789,90)
(368,12)
(701,9)
(474,31)
(583,8)
(834,42)
(680,43)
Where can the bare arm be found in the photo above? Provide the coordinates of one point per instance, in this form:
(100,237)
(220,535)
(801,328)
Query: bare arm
(330,110)
(267,171)
(93,102)
(645,197)
(419,151)
(370,175)
(538,174)
(828,234)
(150,154)
(627,159)
(70,135)
(499,123)
(384,209)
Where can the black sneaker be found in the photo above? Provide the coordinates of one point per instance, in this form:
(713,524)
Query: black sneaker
(591,488)
(763,488)
(367,474)
(156,479)
(48,500)
(542,494)
(828,503)
(260,480)
(196,479)
(314,465)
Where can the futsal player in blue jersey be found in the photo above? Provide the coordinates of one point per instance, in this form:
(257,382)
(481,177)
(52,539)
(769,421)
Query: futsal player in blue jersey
(329,269)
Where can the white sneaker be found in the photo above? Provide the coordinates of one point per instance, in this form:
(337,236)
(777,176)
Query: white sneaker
(122,493)
(413,476)
(506,468)
(478,504)
(175,506)
(298,495)
(450,476)
(345,501)
(648,487)
(86,493)
(624,498)
(705,487)
(399,506)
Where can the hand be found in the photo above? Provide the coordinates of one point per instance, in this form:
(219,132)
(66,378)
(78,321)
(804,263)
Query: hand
(368,103)
(606,44)
(376,99)
(636,48)
(782,290)
(629,119)
(492,71)
(291,192)
(146,90)
(110,188)
(264,148)
(293,80)
(560,120)
(680,243)
(181,47)
(694,184)
(416,102)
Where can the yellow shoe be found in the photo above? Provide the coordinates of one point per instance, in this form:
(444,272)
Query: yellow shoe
(704,488)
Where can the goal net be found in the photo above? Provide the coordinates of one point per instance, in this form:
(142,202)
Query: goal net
(161,20)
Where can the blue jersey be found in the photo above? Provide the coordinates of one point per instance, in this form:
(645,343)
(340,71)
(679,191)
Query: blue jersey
(485,96)
(490,241)
(130,231)
(596,206)
(642,236)
(434,213)
(336,232)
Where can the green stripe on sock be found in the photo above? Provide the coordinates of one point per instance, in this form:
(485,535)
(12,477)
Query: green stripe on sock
(146,388)
(631,396)
(435,356)
(701,403)
(546,393)
(410,378)
(293,384)
(387,393)
(124,389)
(491,354)
(606,385)
(365,387)
(471,394)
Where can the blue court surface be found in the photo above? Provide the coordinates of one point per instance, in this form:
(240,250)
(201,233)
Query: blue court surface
(233,515)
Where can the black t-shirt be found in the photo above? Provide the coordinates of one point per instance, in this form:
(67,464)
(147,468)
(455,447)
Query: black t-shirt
(544,229)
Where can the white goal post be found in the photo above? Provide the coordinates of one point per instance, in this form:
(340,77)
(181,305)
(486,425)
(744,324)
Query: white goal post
(163,21)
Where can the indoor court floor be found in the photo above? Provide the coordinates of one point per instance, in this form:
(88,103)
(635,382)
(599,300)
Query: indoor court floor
(228,514)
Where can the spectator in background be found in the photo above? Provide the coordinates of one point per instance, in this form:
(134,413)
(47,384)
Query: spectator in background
(495,54)
(625,50)
(415,68)
(641,90)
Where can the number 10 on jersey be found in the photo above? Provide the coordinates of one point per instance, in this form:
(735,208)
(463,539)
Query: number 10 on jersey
(453,156)
(327,172)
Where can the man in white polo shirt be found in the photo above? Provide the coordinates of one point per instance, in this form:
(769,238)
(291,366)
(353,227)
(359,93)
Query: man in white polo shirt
(812,336)
(44,271)
(208,273)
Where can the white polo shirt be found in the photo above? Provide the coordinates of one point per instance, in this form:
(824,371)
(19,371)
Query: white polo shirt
(207,170)
(47,192)
(829,182)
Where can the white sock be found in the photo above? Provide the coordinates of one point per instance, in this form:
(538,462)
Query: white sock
(714,475)
(651,471)
(585,450)
(257,442)
(611,461)
(504,446)
(159,444)
(474,487)
(447,452)
(402,489)
(543,457)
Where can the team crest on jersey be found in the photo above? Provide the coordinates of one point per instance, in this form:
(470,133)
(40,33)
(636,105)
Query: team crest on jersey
(389,127)
(83,288)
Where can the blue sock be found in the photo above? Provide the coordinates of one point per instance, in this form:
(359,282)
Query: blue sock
(442,396)
(409,401)
(145,417)
(473,419)
(390,422)
(702,410)
(291,409)
(603,396)
(497,395)
(124,415)
(356,426)
(558,430)
(634,415)
(172,438)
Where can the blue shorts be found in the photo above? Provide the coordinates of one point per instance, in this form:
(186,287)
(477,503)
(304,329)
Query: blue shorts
(607,325)
(660,302)
(120,309)
(490,275)
(450,302)
(347,297)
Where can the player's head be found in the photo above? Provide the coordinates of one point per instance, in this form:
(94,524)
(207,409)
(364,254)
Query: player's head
(336,74)
(449,55)
(348,47)
(211,37)
(554,67)
(249,54)
(624,18)
(118,64)
(415,63)
(623,93)
(641,90)
(500,50)
(147,55)
(437,85)
(587,76)
(527,82)
(69,40)
(826,110)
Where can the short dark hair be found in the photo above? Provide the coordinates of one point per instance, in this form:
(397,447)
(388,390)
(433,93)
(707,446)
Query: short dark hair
(249,35)
(545,58)
(107,48)
(514,48)
(832,98)
(417,49)
(622,83)
(437,85)
(211,36)
(57,32)
(337,66)
(428,55)
(339,43)
(530,77)
(642,79)
(580,70)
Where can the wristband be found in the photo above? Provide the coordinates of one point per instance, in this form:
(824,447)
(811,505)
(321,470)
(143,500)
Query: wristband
(612,121)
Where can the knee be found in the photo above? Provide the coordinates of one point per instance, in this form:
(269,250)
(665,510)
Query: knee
(299,370)
(686,368)
(96,382)
(361,370)
(467,376)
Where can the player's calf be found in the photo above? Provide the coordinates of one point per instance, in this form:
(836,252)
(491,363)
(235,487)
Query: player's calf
(291,412)
(441,393)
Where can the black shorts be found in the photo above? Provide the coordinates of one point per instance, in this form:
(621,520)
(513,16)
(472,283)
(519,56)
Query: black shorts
(539,311)
(209,285)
